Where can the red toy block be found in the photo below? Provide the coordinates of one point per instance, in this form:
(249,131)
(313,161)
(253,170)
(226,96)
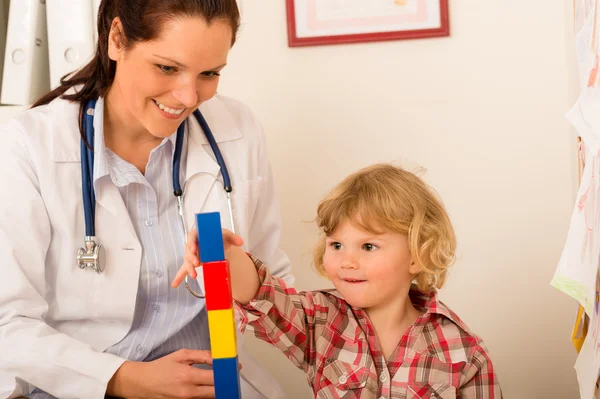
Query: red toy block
(217,285)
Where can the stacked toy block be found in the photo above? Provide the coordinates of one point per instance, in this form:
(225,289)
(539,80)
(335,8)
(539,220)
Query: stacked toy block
(219,304)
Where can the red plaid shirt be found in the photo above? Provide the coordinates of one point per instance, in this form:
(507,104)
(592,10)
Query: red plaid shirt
(335,344)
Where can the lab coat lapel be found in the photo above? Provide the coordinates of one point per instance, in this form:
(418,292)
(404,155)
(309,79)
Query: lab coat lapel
(109,198)
(66,148)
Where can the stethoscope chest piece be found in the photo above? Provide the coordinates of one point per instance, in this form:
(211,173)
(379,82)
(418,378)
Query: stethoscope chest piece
(92,256)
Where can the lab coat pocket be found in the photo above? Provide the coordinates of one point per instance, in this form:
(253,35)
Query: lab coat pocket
(430,391)
(345,376)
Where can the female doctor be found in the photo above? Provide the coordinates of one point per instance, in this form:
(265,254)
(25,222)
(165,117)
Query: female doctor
(121,330)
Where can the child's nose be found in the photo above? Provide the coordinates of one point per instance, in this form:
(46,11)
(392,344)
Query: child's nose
(349,262)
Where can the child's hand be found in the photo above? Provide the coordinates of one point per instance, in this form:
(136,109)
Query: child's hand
(191,257)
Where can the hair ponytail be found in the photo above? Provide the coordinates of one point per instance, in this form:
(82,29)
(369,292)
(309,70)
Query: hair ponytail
(97,75)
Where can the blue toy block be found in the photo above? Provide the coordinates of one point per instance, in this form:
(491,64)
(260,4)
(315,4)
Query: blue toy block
(210,237)
(227,378)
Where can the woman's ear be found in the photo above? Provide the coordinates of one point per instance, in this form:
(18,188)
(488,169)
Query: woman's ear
(115,40)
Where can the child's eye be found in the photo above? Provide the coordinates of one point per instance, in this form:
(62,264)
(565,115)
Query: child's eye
(369,247)
(167,70)
(336,246)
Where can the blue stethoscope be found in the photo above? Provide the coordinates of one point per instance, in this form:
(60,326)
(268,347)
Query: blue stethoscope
(92,255)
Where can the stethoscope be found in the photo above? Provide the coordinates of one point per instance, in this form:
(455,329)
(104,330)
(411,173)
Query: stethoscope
(93,255)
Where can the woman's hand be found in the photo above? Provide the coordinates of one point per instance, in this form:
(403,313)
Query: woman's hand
(170,377)
(244,277)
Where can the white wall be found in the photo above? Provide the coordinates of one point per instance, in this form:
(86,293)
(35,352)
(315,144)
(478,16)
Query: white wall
(482,111)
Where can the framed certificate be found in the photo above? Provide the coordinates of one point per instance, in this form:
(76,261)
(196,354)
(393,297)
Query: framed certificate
(316,22)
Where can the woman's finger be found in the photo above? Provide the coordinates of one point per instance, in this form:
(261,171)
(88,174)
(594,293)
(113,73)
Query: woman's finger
(193,356)
(202,377)
(204,391)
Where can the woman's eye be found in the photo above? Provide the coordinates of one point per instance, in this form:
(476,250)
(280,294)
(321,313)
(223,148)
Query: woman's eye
(211,74)
(167,70)
(336,246)
(369,247)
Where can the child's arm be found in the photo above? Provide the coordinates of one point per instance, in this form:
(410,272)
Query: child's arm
(244,278)
(291,321)
(276,314)
(480,380)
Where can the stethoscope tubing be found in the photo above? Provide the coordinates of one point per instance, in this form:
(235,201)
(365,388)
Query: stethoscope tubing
(87,174)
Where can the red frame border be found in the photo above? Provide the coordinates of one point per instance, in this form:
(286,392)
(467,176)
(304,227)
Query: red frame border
(295,41)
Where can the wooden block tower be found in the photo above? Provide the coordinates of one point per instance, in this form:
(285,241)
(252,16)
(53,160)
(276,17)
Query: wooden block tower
(219,304)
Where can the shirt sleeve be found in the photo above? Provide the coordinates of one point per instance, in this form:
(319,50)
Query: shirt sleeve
(285,318)
(479,378)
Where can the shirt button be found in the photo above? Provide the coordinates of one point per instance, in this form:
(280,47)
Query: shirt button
(156,308)
(343,379)
(383,377)
(158,273)
(140,348)
(149,223)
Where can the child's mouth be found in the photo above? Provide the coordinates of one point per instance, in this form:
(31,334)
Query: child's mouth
(353,280)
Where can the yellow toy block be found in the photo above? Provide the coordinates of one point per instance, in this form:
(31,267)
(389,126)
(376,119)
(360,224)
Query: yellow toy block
(221,325)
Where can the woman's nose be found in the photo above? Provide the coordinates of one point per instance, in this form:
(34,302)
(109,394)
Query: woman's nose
(187,95)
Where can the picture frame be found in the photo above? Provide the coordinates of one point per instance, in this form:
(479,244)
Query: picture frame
(321,22)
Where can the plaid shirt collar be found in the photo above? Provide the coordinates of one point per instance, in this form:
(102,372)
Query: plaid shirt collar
(425,302)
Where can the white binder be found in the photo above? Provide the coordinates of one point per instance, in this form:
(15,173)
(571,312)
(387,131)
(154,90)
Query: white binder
(25,77)
(3,28)
(70,36)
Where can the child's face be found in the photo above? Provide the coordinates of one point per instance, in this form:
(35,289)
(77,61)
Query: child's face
(369,270)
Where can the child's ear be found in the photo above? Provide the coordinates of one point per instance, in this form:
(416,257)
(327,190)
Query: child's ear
(413,268)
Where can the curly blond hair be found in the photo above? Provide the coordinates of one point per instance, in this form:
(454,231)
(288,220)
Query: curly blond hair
(389,198)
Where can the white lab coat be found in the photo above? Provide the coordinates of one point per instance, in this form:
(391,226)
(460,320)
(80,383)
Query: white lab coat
(55,319)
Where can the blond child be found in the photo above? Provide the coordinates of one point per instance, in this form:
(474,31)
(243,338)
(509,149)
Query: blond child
(386,246)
